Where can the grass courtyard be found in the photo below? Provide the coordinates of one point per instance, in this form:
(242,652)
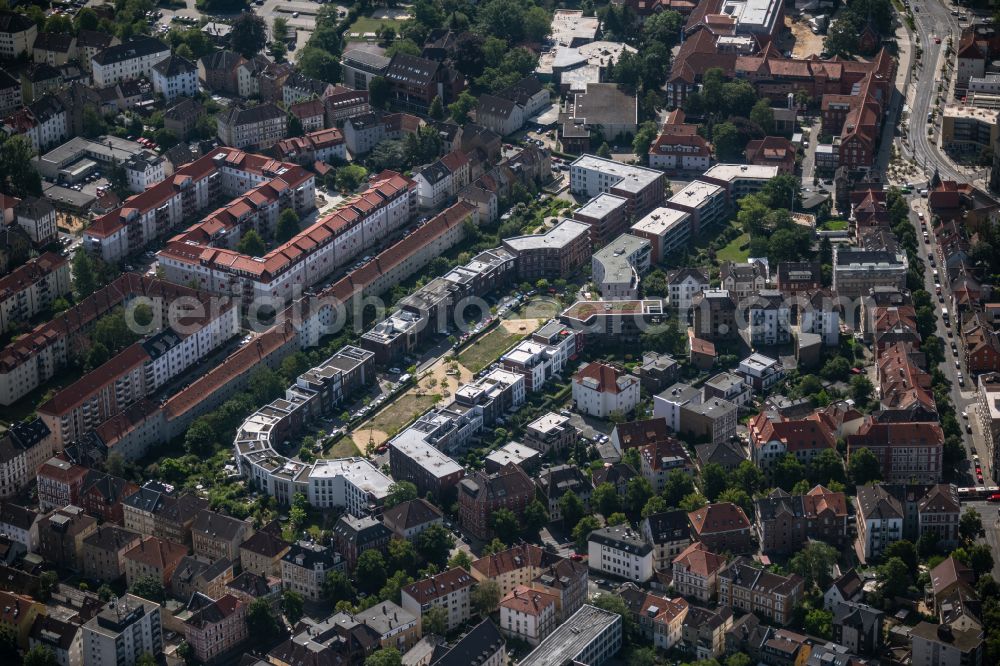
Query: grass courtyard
(368,24)
(737,250)
(488,348)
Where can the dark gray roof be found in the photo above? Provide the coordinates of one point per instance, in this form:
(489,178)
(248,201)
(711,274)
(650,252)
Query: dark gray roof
(475,648)
(875,502)
(58,42)
(857,615)
(622,537)
(366,60)
(110,537)
(175,65)
(137,48)
(412,513)
(668,526)
(14,22)
(495,106)
(18,516)
(253,114)
(226,60)
(412,70)
(218,526)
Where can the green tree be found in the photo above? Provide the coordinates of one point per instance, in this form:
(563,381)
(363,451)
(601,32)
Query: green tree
(606,499)
(399,492)
(678,485)
(819,623)
(149,587)
(436,110)
(248,35)
(980,558)
(814,562)
(863,467)
(40,655)
(384,657)
(637,493)
(861,389)
(571,508)
(17,174)
(350,176)
(434,544)
(260,619)
(401,555)
(692,502)
(200,438)
(486,597)
(279,29)
(85,280)
(749,477)
(655,505)
(379,91)
(319,64)
(370,572)
(738,659)
(505,525)
(738,497)
(581,533)
(460,559)
(826,466)
(617,518)
(536,516)
(461,107)
(251,243)
(714,480)
(904,550)
(788,472)
(893,577)
(604,151)
(727,142)
(86,19)
(146,659)
(435,621)
(644,139)
(337,587)
(762,114)
(970,525)
(613,603)
(93,123)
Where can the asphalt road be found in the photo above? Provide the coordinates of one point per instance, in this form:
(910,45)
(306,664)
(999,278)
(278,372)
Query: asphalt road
(964,398)
(933,20)
(991,525)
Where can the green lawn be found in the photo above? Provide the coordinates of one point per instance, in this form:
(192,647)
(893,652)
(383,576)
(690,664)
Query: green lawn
(368,24)
(834,225)
(399,412)
(343,448)
(735,250)
(486,350)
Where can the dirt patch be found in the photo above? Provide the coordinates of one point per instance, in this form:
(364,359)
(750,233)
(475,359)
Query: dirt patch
(361,438)
(806,42)
(70,223)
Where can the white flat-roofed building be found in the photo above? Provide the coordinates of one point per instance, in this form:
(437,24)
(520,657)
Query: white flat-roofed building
(667,229)
(617,267)
(515,453)
(668,404)
(550,431)
(621,551)
(590,636)
(643,188)
(754,17)
(571,28)
(346,482)
(705,201)
(123,630)
(761,372)
(740,179)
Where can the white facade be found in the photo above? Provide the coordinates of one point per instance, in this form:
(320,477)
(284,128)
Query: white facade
(617,266)
(602,404)
(144,173)
(667,229)
(29,293)
(115,69)
(620,551)
(179,84)
(528,615)
(668,404)
(38,221)
(121,633)
(681,293)
(15,41)
(761,371)
(822,322)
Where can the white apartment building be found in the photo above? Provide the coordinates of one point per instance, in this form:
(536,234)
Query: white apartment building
(528,615)
(31,288)
(617,267)
(17,34)
(880,520)
(706,202)
(683,286)
(450,590)
(667,229)
(601,390)
(38,218)
(125,629)
(174,77)
(131,60)
(537,362)
(822,318)
(740,179)
(761,372)
(590,636)
(259,126)
(622,552)
(668,403)
(305,566)
(144,170)
(26,446)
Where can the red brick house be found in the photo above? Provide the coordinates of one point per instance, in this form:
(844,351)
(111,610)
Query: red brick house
(785,522)
(774,151)
(722,527)
(101,495)
(481,495)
